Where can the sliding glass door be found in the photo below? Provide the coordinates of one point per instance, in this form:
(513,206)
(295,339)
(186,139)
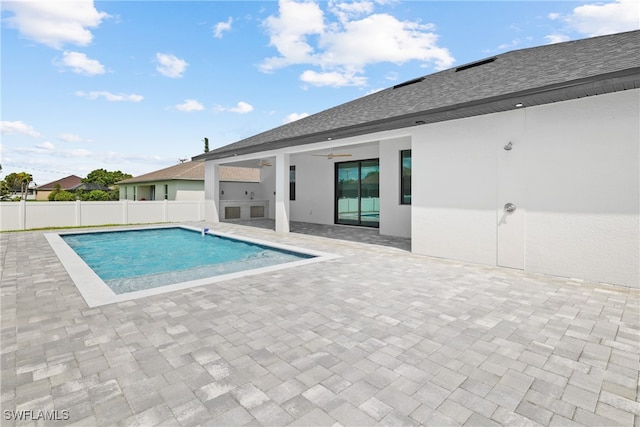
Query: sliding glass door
(357,193)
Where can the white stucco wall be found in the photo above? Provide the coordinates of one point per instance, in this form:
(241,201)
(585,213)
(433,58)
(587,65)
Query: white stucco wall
(573,174)
(395,218)
(583,189)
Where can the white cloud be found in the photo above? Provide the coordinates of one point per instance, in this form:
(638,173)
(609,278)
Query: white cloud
(17,127)
(598,19)
(221,27)
(512,44)
(46,146)
(70,137)
(111,96)
(241,108)
(288,33)
(80,153)
(55,23)
(80,63)
(344,48)
(333,78)
(556,38)
(345,11)
(295,116)
(170,65)
(190,105)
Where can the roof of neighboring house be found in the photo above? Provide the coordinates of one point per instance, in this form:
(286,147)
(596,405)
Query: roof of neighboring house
(532,76)
(89,186)
(66,183)
(194,171)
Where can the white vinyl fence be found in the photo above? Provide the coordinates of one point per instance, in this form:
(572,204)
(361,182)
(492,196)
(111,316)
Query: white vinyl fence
(24,216)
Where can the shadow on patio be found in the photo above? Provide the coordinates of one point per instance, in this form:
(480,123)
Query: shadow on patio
(341,232)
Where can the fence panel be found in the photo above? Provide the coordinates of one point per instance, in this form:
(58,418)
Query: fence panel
(24,216)
(10,214)
(100,213)
(50,214)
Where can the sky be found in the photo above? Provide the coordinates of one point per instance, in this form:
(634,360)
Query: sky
(136,86)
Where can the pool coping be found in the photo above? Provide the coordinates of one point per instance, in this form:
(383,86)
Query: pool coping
(97,293)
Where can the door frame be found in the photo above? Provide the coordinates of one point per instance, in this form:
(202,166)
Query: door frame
(335,193)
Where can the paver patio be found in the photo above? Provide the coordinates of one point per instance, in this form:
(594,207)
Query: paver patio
(378,336)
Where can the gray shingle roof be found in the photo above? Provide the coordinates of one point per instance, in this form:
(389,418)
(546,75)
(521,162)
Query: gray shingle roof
(532,76)
(194,171)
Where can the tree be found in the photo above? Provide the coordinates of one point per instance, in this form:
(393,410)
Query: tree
(5,191)
(206,145)
(19,182)
(106,178)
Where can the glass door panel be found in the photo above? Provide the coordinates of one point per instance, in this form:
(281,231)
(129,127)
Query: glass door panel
(357,193)
(347,193)
(369,193)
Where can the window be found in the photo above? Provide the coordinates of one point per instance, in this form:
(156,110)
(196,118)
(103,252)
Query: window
(125,192)
(292,182)
(405,177)
(166,192)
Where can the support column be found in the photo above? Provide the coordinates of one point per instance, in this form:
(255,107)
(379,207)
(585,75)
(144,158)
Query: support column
(211,192)
(282,193)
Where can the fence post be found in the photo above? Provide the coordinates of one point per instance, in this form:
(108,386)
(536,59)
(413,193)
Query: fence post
(23,215)
(165,212)
(125,211)
(78,213)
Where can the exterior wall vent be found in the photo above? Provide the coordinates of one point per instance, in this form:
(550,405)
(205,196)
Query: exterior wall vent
(409,82)
(476,64)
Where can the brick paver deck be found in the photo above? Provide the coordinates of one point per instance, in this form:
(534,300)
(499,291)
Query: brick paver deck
(377,337)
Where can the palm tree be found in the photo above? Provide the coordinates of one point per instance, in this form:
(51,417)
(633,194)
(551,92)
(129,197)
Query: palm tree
(25,180)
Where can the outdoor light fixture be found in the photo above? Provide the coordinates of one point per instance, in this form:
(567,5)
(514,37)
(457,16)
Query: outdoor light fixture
(519,105)
(509,146)
(420,122)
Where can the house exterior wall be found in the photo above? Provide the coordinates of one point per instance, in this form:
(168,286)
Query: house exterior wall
(395,218)
(573,173)
(178,190)
(186,190)
(43,194)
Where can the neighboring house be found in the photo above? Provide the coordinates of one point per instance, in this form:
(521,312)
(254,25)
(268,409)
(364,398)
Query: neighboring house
(68,183)
(71,183)
(527,160)
(184,181)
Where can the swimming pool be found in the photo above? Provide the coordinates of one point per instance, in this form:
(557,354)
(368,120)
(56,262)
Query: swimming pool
(118,265)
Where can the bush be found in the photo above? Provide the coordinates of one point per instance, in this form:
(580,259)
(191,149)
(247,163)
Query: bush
(62,196)
(96,195)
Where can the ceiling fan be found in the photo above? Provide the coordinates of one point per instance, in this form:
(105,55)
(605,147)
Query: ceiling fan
(262,163)
(331,155)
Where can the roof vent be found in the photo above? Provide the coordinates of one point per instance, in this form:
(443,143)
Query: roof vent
(409,82)
(476,64)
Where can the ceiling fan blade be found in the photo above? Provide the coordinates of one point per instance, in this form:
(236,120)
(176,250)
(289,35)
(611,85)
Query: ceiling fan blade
(332,155)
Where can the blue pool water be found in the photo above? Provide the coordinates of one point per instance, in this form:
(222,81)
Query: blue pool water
(133,260)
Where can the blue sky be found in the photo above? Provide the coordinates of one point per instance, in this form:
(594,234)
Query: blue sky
(136,86)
